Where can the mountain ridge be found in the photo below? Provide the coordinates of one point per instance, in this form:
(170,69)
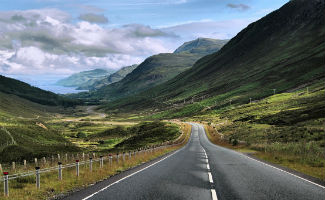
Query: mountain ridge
(154,70)
(85,78)
(266,55)
(109,79)
(23,90)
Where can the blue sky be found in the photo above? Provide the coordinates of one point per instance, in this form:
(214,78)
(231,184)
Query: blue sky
(155,13)
(61,37)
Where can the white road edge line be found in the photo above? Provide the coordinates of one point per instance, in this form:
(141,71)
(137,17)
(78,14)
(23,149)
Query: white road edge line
(214,194)
(208,166)
(210,177)
(130,175)
(285,172)
(316,184)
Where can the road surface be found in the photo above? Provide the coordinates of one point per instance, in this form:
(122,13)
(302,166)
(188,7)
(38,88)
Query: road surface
(202,170)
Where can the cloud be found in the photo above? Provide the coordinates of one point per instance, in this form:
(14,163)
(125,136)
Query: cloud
(241,7)
(94,18)
(224,29)
(150,2)
(90,8)
(138,30)
(50,41)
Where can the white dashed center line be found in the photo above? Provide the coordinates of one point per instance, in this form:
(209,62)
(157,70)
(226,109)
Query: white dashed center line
(213,191)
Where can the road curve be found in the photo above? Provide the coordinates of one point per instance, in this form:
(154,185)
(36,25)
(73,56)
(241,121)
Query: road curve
(202,170)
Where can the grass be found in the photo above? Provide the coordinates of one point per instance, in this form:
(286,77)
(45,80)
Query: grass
(304,158)
(286,129)
(24,188)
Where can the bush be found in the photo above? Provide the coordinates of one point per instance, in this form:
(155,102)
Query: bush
(81,135)
(101,142)
(15,153)
(234,142)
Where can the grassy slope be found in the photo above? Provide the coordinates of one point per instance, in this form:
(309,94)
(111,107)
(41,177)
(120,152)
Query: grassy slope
(283,50)
(85,78)
(21,133)
(26,91)
(102,136)
(23,129)
(286,128)
(154,70)
(115,77)
(203,46)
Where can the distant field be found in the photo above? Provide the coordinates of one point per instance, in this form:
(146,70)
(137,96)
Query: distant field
(30,130)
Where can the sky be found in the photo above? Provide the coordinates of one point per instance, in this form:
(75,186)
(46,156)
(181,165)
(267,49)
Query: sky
(56,38)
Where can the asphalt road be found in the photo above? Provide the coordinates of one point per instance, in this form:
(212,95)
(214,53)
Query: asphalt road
(202,170)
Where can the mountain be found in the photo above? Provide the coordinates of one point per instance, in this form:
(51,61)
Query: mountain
(157,69)
(85,78)
(109,79)
(283,50)
(14,87)
(202,46)
(24,111)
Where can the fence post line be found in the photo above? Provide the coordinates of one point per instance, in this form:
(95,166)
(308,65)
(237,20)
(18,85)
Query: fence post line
(60,170)
(101,161)
(38,181)
(123,156)
(44,160)
(6,184)
(90,164)
(110,159)
(77,167)
(66,157)
(25,164)
(59,158)
(13,166)
(36,162)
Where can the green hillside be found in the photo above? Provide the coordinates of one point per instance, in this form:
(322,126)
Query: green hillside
(282,51)
(202,46)
(85,78)
(34,94)
(109,79)
(156,70)
(23,113)
(261,94)
(24,131)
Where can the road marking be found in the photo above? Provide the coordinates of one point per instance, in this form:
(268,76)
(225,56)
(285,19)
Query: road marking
(93,194)
(316,184)
(285,172)
(210,177)
(213,191)
(214,194)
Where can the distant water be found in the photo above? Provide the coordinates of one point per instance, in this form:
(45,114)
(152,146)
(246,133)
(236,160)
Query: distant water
(60,89)
(46,83)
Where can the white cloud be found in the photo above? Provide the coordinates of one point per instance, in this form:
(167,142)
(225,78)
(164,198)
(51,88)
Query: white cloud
(47,41)
(94,18)
(50,41)
(225,29)
(240,7)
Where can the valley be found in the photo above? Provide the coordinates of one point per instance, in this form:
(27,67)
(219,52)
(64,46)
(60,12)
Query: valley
(214,117)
